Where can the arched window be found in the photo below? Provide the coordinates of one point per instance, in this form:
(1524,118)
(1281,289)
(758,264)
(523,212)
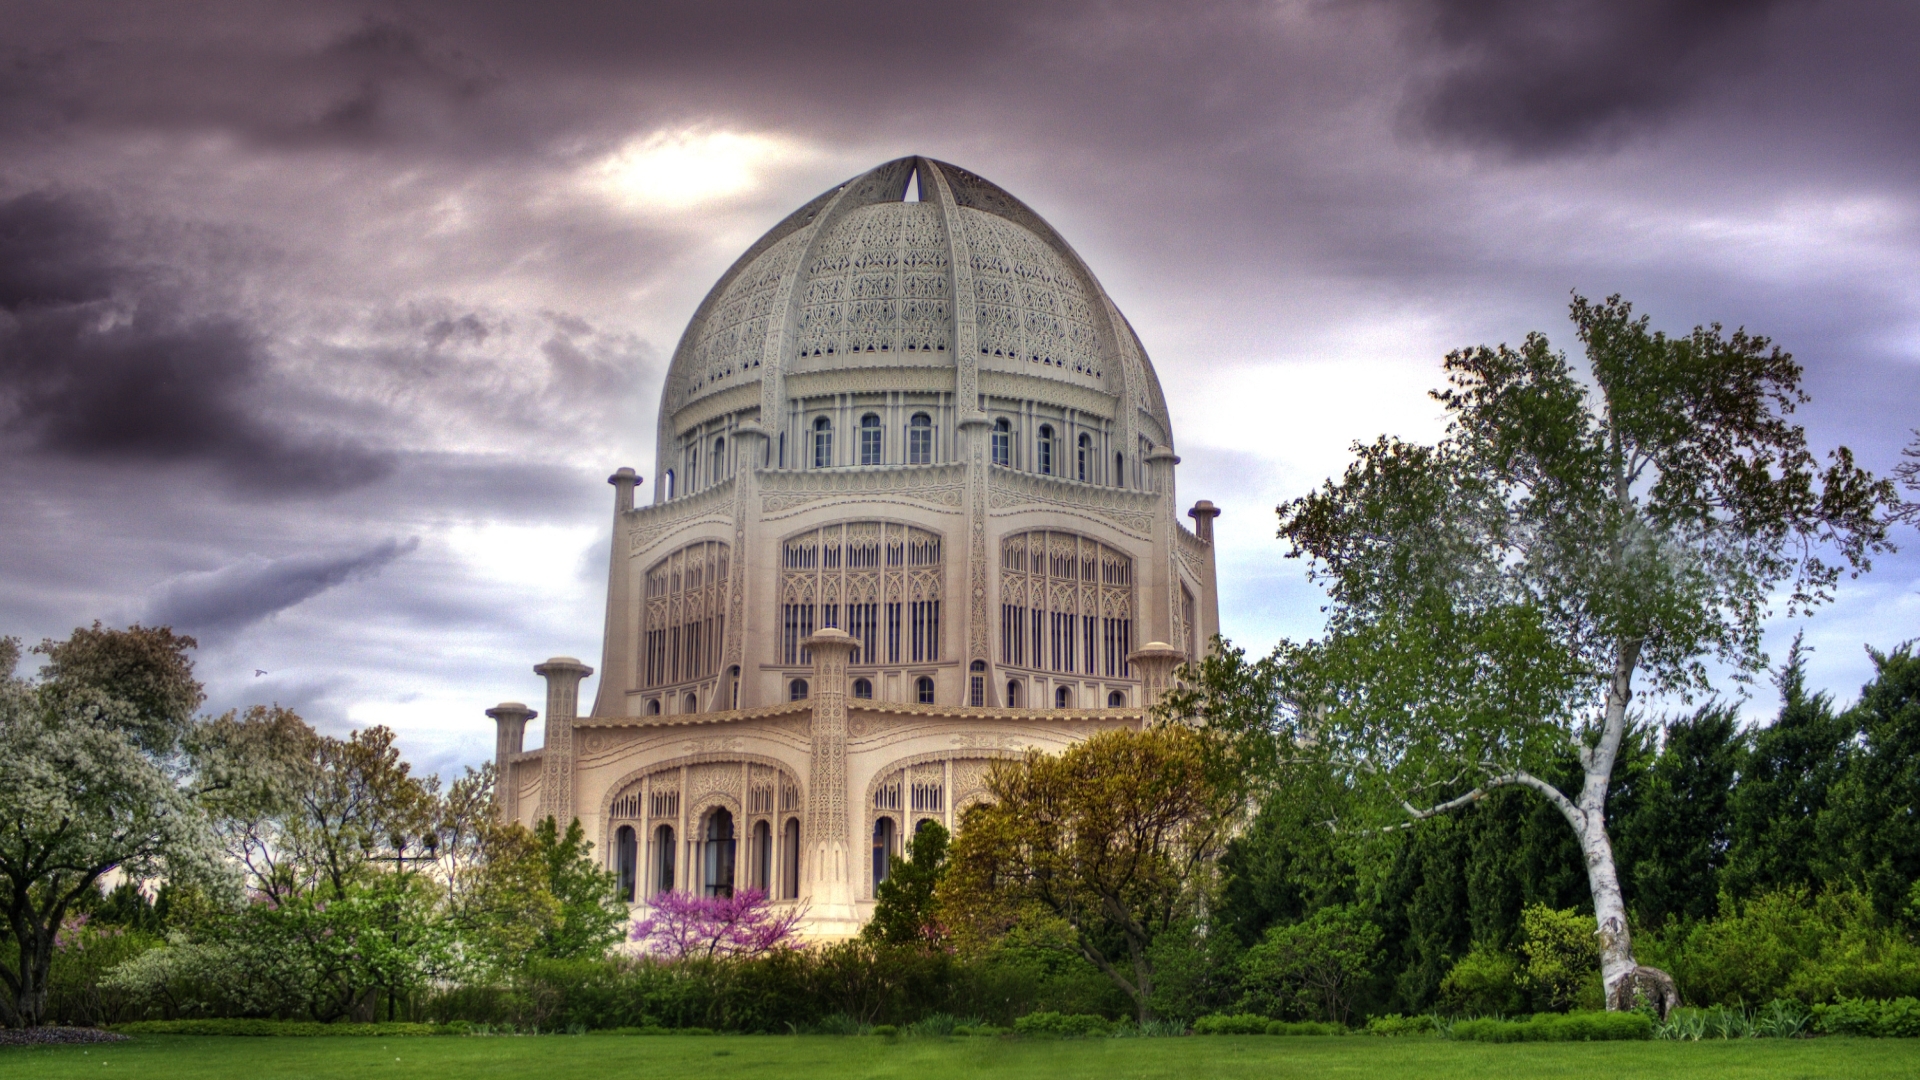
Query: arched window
(691,705)
(1117,699)
(920,439)
(822,443)
(719,460)
(863,689)
(684,619)
(923,690)
(1083,460)
(790,859)
(1044,449)
(733,687)
(719,860)
(1013,693)
(977,683)
(882,849)
(1002,443)
(653,707)
(797,690)
(763,856)
(693,467)
(663,859)
(1062,698)
(870,439)
(625,860)
(669,484)
(1119,470)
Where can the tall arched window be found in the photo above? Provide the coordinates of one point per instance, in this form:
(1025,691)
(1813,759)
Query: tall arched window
(1066,605)
(1119,470)
(693,467)
(923,690)
(1002,443)
(822,443)
(1083,460)
(977,683)
(669,484)
(684,620)
(719,854)
(733,687)
(880,582)
(762,856)
(920,439)
(663,859)
(691,704)
(1062,698)
(882,849)
(790,859)
(870,439)
(719,465)
(625,860)
(1043,449)
(1013,693)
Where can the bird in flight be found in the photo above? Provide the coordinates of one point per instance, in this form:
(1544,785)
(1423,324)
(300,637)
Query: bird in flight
(257,673)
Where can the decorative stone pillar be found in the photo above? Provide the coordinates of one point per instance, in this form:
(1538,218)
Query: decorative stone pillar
(563,675)
(1155,662)
(829,843)
(510,720)
(1203,513)
(746,621)
(617,654)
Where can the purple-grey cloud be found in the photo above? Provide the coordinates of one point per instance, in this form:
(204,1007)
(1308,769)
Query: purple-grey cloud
(246,592)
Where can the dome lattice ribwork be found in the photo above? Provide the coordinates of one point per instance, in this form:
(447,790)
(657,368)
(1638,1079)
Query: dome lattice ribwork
(859,278)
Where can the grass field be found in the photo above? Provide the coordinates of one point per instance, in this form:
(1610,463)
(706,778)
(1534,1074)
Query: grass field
(164,1057)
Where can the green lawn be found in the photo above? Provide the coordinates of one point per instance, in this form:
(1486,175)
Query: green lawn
(163,1057)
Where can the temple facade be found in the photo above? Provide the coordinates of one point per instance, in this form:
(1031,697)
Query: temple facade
(915,513)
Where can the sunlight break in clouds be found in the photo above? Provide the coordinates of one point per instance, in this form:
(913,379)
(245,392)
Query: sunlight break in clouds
(679,169)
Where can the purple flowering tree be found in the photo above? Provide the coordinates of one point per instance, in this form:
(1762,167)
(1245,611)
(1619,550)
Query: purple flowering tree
(741,925)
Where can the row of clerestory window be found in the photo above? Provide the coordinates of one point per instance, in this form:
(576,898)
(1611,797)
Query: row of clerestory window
(872,445)
(1086,459)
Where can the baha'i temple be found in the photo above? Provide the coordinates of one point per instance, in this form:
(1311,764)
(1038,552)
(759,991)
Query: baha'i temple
(916,512)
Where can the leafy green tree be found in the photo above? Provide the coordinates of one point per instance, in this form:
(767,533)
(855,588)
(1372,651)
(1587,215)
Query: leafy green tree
(905,910)
(589,913)
(1560,955)
(1873,823)
(1113,836)
(90,784)
(1498,599)
(1786,781)
(1311,969)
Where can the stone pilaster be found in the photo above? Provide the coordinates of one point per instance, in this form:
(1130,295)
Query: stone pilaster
(744,620)
(563,675)
(617,654)
(1203,513)
(510,734)
(829,841)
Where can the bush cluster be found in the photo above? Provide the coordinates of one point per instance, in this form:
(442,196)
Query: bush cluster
(1556,1027)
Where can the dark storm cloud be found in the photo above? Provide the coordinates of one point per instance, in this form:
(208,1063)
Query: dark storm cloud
(100,361)
(1536,76)
(232,597)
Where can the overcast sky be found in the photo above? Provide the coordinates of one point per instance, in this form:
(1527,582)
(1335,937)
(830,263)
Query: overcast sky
(322,324)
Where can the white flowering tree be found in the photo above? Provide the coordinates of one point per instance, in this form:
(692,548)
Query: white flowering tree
(92,781)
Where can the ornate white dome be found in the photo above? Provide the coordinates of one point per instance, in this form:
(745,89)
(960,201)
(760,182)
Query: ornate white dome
(860,279)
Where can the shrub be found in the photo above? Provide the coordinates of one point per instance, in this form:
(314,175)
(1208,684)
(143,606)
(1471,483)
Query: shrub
(1395,1024)
(1063,1025)
(1790,944)
(1898,1018)
(1562,955)
(1485,982)
(1564,1027)
(883,1029)
(1304,1027)
(1310,969)
(1240,1024)
(276,1028)
(76,993)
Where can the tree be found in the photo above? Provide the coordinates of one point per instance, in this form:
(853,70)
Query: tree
(1675,842)
(1785,783)
(684,925)
(90,782)
(1908,474)
(1114,836)
(1873,822)
(1494,597)
(905,907)
(1311,968)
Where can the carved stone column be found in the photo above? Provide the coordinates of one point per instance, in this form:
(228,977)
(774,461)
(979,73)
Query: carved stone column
(563,675)
(1155,662)
(829,842)
(1203,513)
(510,720)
